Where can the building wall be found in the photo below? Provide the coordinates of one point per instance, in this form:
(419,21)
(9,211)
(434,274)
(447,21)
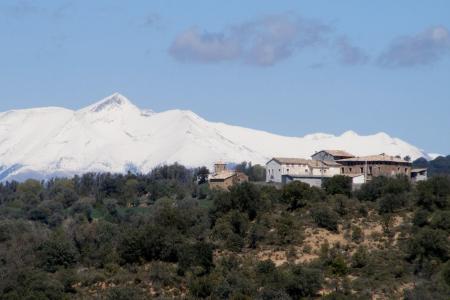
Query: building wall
(222,184)
(219,167)
(240,178)
(420,177)
(317,182)
(376,169)
(358,179)
(326,172)
(274,170)
(323,156)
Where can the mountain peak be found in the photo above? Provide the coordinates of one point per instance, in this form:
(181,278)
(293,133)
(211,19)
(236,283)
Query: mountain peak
(349,134)
(113,101)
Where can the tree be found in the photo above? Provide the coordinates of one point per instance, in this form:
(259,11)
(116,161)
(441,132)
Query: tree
(429,243)
(254,172)
(202,175)
(338,184)
(391,203)
(325,217)
(434,193)
(58,251)
(246,198)
(421,218)
(200,254)
(296,194)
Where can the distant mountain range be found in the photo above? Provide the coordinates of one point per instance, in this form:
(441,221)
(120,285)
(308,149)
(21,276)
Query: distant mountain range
(113,135)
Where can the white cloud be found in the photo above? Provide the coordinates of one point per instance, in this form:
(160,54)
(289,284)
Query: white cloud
(424,48)
(263,42)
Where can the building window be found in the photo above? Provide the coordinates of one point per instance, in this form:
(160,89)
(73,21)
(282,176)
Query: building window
(370,170)
(342,170)
(362,170)
(350,170)
(287,170)
(406,170)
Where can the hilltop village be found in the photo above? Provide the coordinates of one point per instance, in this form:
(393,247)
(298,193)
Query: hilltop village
(324,164)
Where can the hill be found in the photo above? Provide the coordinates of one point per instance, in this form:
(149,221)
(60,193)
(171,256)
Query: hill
(161,236)
(438,166)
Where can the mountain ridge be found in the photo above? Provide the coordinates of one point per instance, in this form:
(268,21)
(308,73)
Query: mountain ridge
(114,135)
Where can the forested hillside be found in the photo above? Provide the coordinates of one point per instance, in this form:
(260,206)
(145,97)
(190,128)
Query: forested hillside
(438,166)
(163,236)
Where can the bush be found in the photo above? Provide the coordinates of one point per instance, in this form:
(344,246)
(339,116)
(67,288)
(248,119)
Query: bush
(198,255)
(303,282)
(338,184)
(246,198)
(360,257)
(58,251)
(429,243)
(381,186)
(434,192)
(390,203)
(421,218)
(441,220)
(357,235)
(125,293)
(325,218)
(296,194)
(201,287)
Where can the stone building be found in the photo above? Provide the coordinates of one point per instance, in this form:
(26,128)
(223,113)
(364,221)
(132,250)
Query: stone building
(375,165)
(331,155)
(224,178)
(284,170)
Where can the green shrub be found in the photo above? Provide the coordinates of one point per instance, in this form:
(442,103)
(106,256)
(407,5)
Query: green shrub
(357,234)
(325,218)
(296,194)
(57,251)
(338,184)
(421,218)
(303,282)
(429,243)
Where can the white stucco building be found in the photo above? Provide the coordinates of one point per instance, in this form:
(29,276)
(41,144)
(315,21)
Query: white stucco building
(281,169)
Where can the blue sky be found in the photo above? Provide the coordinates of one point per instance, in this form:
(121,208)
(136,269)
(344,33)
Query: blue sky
(288,67)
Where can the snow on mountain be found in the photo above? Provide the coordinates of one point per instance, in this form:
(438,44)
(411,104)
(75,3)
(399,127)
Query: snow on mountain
(113,135)
(433,156)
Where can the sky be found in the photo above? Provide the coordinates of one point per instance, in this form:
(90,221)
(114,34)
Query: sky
(287,67)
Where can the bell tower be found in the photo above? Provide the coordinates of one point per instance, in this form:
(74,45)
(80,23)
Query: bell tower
(220,167)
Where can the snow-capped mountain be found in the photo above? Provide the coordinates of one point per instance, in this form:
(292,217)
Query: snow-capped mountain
(113,135)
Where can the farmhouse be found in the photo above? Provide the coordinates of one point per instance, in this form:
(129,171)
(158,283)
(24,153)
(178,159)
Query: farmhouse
(281,169)
(328,163)
(375,165)
(224,178)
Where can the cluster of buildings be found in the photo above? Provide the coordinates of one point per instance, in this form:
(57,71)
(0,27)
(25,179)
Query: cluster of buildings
(328,163)
(323,164)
